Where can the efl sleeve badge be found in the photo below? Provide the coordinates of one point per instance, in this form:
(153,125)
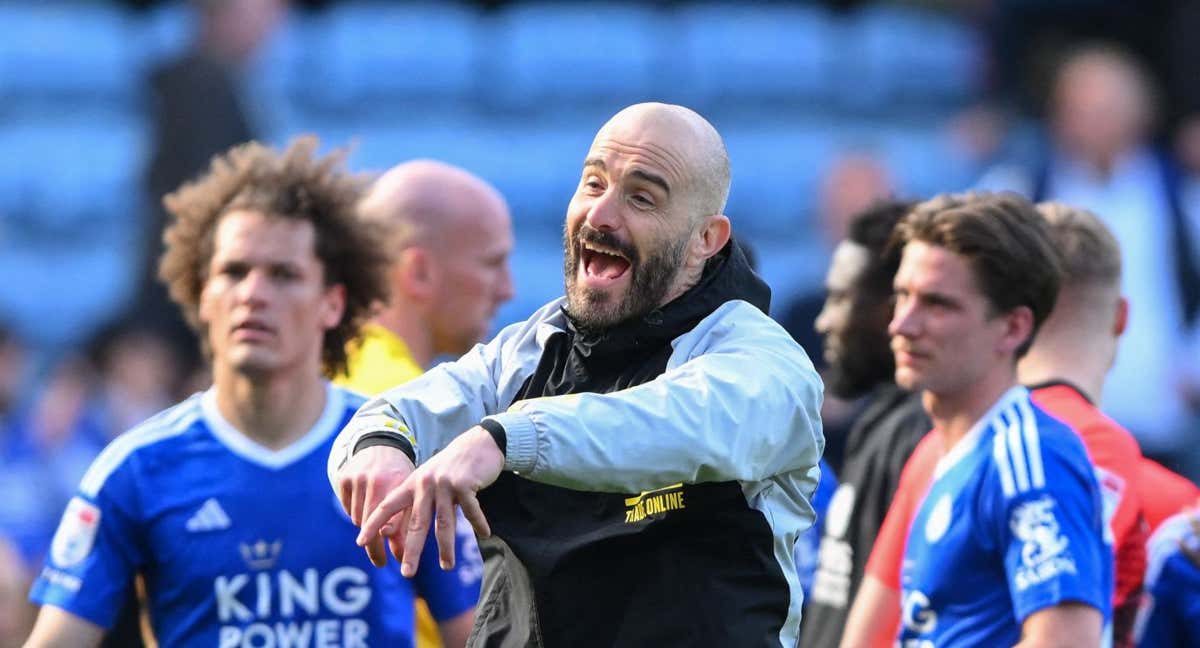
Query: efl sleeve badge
(76,533)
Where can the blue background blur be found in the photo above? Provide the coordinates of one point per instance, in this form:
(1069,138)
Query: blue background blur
(823,105)
(513,93)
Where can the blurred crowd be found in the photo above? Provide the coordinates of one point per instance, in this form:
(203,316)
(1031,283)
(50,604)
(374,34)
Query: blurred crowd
(1093,103)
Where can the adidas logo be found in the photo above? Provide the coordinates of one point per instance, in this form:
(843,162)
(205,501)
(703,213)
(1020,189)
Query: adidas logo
(210,517)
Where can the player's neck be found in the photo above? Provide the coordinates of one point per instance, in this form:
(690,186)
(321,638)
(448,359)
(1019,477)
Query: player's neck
(955,413)
(272,411)
(412,328)
(1080,362)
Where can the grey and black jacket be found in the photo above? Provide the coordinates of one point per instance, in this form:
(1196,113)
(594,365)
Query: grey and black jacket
(657,473)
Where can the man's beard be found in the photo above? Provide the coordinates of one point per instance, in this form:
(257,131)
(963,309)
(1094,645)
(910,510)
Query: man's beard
(865,361)
(650,279)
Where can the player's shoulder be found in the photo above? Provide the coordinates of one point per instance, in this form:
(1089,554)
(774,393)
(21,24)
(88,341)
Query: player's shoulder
(1100,434)
(1164,543)
(351,399)
(1058,439)
(1026,443)
(155,433)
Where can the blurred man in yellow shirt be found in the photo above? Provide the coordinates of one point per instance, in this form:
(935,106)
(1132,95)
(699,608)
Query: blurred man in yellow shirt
(450,236)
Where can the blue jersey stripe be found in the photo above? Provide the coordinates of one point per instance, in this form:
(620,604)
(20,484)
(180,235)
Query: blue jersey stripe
(1000,455)
(166,424)
(1016,448)
(1033,444)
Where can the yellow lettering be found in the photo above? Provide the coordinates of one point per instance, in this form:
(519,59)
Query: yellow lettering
(652,503)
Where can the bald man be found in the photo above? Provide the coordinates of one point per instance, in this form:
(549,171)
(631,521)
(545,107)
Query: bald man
(639,456)
(449,236)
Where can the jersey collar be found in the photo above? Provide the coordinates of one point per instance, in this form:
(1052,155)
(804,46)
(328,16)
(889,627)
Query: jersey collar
(970,440)
(243,446)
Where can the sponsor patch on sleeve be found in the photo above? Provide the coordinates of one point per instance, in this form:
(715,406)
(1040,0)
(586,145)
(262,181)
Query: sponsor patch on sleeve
(1045,550)
(76,533)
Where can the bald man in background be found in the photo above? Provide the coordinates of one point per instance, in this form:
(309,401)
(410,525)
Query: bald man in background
(449,236)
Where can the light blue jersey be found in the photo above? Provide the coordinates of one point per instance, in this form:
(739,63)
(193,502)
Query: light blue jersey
(239,545)
(1012,523)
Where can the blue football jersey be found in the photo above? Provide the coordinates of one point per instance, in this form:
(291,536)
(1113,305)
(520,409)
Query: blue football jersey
(239,545)
(1012,523)
(1170,611)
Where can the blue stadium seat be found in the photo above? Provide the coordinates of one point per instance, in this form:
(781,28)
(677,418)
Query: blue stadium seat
(924,162)
(551,55)
(70,214)
(375,51)
(776,167)
(750,53)
(165,32)
(534,166)
(903,54)
(280,79)
(920,156)
(61,51)
(538,168)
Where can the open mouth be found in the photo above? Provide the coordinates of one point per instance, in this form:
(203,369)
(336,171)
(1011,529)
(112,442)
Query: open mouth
(602,263)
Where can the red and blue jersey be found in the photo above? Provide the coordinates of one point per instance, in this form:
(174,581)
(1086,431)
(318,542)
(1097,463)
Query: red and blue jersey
(1013,522)
(239,545)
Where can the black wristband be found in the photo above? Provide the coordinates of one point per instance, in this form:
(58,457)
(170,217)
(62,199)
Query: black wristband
(495,429)
(390,439)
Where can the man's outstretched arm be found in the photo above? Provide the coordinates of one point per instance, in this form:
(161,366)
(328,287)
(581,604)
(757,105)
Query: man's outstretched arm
(708,419)
(742,404)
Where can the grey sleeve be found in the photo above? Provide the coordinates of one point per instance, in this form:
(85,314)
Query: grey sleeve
(431,410)
(739,401)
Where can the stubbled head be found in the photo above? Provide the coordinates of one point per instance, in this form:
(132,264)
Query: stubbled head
(1089,305)
(647,213)
(449,236)
(1088,252)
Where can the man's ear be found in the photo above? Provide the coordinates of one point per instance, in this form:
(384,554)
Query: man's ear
(1018,326)
(416,272)
(204,307)
(333,305)
(1120,317)
(713,234)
